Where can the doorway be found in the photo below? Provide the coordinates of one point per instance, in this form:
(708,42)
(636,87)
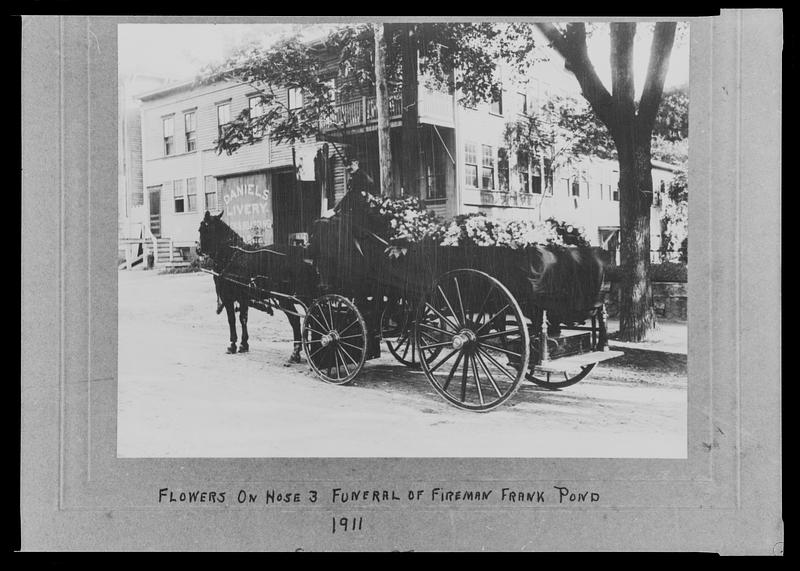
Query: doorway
(295,205)
(154,194)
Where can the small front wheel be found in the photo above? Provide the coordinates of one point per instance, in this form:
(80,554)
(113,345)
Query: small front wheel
(335,339)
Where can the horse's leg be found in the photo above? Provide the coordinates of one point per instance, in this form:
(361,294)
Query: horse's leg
(229,309)
(243,346)
(294,321)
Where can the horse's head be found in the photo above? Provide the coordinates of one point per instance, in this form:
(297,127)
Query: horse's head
(213,234)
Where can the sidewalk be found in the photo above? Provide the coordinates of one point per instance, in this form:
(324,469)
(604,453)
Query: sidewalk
(669,337)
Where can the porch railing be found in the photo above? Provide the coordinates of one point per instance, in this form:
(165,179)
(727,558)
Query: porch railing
(364,110)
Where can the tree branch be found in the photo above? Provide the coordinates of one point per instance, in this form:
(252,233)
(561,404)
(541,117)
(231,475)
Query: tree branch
(572,47)
(660,52)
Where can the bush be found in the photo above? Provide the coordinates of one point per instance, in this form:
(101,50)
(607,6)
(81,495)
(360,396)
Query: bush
(663,272)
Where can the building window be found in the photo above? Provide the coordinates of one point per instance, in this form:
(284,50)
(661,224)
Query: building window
(295,98)
(168,132)
(179,196)
(523,168)
(190,128)
(615,193)
(211,193)
(257,110)
(600,191)
(471,164)
(496,105)
(191,195)
(536,180)
(567,186)
(223,116)
(523,103)
(502,169)
(576,187)
(487,170)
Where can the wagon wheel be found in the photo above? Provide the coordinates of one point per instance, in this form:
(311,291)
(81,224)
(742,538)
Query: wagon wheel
(335,339)
(397,331)
(556,381)
(470,322)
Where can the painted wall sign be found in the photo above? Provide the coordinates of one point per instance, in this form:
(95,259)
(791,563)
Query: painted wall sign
(247,202)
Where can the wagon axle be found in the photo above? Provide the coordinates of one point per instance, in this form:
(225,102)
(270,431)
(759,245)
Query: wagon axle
(464,339)
(329,338)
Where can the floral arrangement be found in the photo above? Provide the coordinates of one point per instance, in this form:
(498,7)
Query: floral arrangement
(478,230)
(570,235)
(410,223)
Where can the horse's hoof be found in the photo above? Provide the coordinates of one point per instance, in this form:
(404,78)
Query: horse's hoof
(244,348)
(231,349)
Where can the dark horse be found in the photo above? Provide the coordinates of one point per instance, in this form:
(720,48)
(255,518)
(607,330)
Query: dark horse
(244,276)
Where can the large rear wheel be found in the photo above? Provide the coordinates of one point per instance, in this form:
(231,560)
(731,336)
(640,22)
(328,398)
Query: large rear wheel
(472,340)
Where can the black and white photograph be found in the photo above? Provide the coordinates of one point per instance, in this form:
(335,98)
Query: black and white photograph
(402,283)
(346,239)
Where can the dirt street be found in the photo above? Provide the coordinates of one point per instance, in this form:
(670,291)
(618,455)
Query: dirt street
(180,395)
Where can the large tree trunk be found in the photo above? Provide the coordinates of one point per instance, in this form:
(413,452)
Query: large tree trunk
(635,188)
(382,102)
(410,134)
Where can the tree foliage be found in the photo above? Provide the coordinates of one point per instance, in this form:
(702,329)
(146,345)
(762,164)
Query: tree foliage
(466,57)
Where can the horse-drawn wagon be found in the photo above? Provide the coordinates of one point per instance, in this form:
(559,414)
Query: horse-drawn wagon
(478,320)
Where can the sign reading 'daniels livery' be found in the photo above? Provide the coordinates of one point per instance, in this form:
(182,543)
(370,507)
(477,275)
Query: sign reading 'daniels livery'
(247,202)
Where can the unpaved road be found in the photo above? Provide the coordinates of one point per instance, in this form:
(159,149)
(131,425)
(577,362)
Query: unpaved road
(180,395)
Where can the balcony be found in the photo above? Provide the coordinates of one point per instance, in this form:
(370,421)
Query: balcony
(434,108)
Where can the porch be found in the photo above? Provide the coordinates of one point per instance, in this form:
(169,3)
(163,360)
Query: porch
(435,108)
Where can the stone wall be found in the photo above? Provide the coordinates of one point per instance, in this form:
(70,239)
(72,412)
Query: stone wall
(669,300)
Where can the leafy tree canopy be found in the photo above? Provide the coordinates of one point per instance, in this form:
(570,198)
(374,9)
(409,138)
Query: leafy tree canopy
(462,56)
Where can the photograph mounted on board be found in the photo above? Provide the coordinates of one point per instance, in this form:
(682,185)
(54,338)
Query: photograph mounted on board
(425,221)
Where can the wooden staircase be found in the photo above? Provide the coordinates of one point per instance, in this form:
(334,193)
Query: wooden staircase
(165,254)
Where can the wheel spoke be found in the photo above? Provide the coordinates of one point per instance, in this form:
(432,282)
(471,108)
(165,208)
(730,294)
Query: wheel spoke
(477,379)
(405,351)
(336,360)
(356,347)
(464,380)
(349,356)
(488,374)
(498,365)
(452,372)
(330,313)
(450,307)
(434,328)
(432,345)
(447,358)
(311,315)
(496,348)
(346,370)
(506,306)
(460,301)
(500,334)
(479,314)
(315,352)
(350,337)
(442,317)
(314,330)
(348,327)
